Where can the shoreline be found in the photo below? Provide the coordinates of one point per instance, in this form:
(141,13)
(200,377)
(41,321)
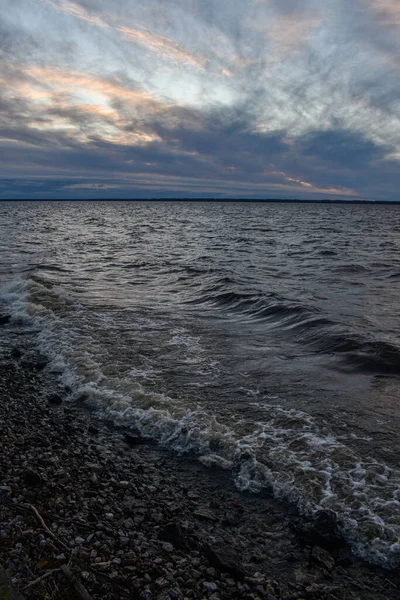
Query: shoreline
(89,507)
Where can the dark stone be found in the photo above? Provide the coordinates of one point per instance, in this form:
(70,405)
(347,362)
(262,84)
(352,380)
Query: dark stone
(81,398)
(172,533)
(16,353)
(224,558)
(40,363)
(7,589)
(31,477)
(322,558)
(55,399)
(207,515)
(345,558)
(322,531)
(134,440)
(4,319)
(92,517)
(93,430)
(37,364)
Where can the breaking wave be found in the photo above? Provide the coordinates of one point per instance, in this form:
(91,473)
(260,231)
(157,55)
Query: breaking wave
(284,451)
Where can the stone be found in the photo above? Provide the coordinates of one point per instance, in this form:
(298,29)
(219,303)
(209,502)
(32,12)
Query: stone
(322,530)
(203,513)
(134,440)
(172,533)
(55,399)
(210,586)
(31,478)
(4,319)
(123,485)
(224,558)
(322,558)
(7,589)
(79,540)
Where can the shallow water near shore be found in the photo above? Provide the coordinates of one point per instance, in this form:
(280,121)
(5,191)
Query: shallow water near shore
(263,339)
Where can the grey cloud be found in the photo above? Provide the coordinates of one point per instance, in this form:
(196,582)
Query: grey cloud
(325,113)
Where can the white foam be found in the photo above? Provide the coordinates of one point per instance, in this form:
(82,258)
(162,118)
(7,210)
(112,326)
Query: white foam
(284,451)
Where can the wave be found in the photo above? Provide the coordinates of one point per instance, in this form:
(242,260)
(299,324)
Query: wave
(352,268)
(283,450)
(306,325)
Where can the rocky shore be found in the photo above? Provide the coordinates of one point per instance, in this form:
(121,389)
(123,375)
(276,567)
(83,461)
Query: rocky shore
(90,510)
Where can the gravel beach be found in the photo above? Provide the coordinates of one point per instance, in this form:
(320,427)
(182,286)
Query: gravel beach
(92,510)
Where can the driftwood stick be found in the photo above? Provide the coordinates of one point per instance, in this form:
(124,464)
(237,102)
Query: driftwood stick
(78,587)
(43,524)
(41,578)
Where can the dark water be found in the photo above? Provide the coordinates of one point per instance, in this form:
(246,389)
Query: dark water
(262,338)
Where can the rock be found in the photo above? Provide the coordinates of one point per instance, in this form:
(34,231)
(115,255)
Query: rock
(210,586)
(16,353)
(321,531)
(79,540)
(203,513)
(224,558)
(134,440)
(93,430)
(61,558)
(192,495)
(123,485)
(344,558)
(36,364)
(4,319)
(55,399)
(7,590)
(31,478)
(173,534)
(322,558)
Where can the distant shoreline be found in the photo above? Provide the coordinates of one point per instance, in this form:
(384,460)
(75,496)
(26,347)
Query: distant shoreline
(219,200)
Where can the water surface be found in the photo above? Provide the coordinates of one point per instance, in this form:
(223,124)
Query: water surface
(263,338)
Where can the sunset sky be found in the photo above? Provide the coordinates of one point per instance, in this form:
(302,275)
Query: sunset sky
(200,98)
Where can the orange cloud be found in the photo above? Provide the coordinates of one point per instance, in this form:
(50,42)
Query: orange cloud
(46,80)
(76,10)
(137,34)
(313,188)
(162,45)
(82,105)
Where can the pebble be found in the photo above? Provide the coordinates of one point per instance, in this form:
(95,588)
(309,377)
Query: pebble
(126,553)
(210,586)
(167,547)
(123,484)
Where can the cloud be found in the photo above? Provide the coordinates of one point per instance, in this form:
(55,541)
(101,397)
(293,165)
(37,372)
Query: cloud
(158,43)
(258,98)
(75,9)
(138,34)
(387,12)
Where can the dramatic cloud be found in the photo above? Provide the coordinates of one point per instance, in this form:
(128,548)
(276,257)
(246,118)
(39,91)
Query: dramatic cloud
(262,98)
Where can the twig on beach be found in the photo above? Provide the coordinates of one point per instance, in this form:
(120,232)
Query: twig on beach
(78,587)
(43,524)
(41,578)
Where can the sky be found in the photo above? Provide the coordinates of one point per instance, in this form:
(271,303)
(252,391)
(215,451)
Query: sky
(200,98)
